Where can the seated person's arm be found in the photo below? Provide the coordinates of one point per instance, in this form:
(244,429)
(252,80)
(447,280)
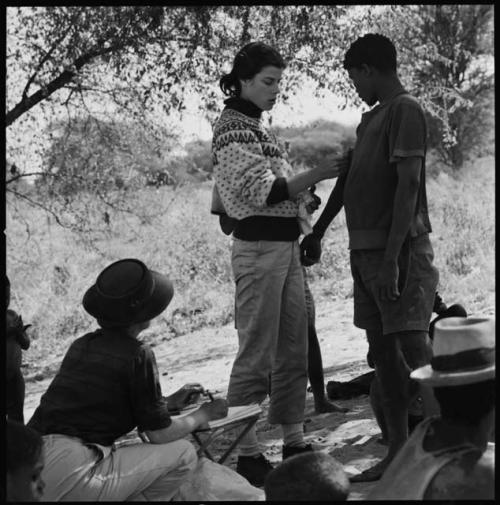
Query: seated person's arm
(150,408)
(183,425)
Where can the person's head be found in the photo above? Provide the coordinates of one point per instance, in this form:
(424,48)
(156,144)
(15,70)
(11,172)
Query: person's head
(369,61)
(24,463)
(127,296)
(462,370)
(255,76)
(313,476)
(468,404)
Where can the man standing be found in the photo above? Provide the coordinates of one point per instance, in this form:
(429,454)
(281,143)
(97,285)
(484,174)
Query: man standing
(385,202)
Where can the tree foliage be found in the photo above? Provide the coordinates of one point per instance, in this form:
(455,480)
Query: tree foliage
(446,53)
(134,65)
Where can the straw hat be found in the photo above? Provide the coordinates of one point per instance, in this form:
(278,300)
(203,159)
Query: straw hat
(464,352)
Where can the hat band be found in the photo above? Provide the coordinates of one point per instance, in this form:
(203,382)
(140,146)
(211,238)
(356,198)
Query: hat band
(465,360)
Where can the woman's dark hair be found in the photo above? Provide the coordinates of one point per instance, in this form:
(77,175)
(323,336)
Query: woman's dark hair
(24,445)
(248,62)
(374,50)
(467,404)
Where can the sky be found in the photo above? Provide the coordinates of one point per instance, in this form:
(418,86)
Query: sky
(302,109)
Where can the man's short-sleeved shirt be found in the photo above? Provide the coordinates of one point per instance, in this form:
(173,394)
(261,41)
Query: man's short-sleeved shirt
(392,131)
(107,385)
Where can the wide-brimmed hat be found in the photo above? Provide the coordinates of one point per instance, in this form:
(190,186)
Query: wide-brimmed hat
(455,310)
(464,352)
(127,292)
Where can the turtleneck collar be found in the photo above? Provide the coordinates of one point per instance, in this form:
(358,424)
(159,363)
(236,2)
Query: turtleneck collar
(244,106)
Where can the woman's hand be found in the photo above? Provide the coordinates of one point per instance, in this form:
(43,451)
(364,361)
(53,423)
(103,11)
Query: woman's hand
(314,201)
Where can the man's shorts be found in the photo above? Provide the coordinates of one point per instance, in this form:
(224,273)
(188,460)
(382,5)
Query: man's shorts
(418,279)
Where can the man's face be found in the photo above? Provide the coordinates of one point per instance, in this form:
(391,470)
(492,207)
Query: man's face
(363,81)
(263,88)
(26,484)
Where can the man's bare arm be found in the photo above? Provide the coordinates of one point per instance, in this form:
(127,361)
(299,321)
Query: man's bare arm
(405,200)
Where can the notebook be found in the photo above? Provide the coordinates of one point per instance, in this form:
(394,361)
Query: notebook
(233,414)
(236,414)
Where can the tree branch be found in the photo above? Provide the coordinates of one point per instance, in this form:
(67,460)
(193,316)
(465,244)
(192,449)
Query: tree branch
(39,205)
(62,79)
(19,176)
(44,59)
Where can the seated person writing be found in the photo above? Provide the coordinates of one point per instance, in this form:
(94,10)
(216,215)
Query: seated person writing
(107,385)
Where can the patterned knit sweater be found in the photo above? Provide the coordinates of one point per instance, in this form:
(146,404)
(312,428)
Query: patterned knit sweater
(247,159)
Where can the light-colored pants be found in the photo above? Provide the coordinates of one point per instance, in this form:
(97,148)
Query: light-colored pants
(75,471)
(271,320)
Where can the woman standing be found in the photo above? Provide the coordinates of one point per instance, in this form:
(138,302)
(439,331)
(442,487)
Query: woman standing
(258,189)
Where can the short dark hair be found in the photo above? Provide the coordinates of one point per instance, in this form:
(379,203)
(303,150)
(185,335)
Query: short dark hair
(374,50)
(307,477)
(468,404)
(24,446)
(249,61)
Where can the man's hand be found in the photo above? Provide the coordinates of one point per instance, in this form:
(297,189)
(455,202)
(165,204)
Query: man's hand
(187,394)
(310,250)
(387,281)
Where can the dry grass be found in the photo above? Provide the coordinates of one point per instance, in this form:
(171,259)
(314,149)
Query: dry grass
(50,268)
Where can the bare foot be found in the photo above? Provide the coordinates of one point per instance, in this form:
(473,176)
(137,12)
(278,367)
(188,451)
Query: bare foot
(373,473)
(324,406)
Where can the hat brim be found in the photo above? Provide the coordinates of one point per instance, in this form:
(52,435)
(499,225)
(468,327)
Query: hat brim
(163,292)
(427,375)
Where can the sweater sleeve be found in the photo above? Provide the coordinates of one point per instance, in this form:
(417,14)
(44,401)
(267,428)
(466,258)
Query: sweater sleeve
(244,167)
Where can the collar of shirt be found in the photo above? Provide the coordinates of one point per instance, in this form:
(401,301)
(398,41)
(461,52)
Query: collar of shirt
(398,91)
(244,106)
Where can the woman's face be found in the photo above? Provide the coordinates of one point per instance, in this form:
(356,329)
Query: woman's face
(263,88)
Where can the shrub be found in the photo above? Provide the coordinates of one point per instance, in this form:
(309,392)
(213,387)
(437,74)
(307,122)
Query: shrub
(317,144)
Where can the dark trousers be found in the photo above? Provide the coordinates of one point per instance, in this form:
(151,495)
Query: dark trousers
(315,364)
(15,396)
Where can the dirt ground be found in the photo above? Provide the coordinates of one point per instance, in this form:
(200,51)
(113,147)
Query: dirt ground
(206,356)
